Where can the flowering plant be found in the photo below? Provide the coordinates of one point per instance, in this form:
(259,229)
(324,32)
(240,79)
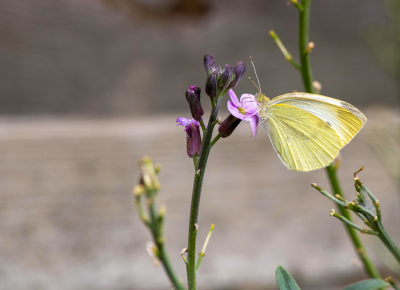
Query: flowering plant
(199,142)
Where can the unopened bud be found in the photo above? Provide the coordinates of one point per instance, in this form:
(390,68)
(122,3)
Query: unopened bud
(138,190)
(153,253)
(317,86)
(211,85)
(193,98)
(193,140)
(228,126)
(310,47)
(240,70)
(162,211)
(209,61)
(225,78)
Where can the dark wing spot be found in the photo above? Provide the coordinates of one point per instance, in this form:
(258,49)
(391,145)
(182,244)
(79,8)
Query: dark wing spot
(329,123)
(287,138)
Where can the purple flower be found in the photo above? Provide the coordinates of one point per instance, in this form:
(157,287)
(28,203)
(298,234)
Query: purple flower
(245,109)
(193,137)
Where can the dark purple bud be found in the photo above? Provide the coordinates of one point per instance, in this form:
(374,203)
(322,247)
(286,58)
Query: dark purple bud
(193,98)
(209,61)
(228,126)
(193,140)
(225,77)
(211,85)
(240,69)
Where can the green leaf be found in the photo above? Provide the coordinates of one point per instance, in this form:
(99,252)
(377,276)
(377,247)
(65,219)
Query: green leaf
(284,280)
(371,284)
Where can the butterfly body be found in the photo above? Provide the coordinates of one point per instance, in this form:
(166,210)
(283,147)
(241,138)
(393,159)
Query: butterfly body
(307,130)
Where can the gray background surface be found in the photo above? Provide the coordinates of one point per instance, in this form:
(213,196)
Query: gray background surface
(87,87)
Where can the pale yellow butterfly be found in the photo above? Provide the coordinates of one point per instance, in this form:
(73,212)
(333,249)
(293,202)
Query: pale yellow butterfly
(307,131)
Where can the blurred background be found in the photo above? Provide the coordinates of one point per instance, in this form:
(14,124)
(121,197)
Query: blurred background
(88,87)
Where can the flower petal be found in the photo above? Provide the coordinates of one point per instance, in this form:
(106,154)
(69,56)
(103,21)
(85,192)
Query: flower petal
(182,121)
(234,99)
(235,112)
(254,123)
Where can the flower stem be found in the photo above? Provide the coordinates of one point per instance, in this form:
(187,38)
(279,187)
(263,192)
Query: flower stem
(304,17)
(284,51)
(203,127)
(215,139)
(155,229)
(361,251)
(203,250)
(196,194)
(387,240)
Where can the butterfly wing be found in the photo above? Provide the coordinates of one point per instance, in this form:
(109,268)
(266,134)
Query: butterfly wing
(344,118)
(302,141)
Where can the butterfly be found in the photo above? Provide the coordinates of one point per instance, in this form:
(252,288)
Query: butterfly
(307,131)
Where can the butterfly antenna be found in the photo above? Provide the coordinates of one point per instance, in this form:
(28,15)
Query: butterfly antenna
(256,74)
(255,84)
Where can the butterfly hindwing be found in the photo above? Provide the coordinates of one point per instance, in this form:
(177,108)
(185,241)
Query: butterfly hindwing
(303,141)
(344,118)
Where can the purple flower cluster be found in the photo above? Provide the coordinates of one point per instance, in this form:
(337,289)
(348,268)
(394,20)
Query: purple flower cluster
(219,81)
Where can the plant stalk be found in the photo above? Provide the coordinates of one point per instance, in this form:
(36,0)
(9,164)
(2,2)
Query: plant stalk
(196,194)
(162,253)
(387,240)
(304,17)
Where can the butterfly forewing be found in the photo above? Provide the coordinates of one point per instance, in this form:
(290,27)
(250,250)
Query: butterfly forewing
(345,119)
(303,141)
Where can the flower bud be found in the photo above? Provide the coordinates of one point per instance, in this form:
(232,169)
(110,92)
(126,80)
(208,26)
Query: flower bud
(193,140)
(228,126)
(240,69)
(209,61)
(193,98)
(225,78)
(193,137)
(211,85)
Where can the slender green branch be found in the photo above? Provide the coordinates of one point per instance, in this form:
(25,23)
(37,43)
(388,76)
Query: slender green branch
(392,283)
(196,194)
(148,187)
(203,127)
(375,201)
(330,196)
(284,51)
(304,17)
(298,6)
(215,139)
(387,240)
(361,251)
(203,250)
(195,161)
(159,241)
(351,224)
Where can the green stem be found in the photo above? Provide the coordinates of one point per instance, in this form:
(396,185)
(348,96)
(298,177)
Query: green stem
(215,139)
(304,17)
(196,194)
(203,127)
(162,254)
(353,225)
(387,240)
(361,251)
(195,161)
